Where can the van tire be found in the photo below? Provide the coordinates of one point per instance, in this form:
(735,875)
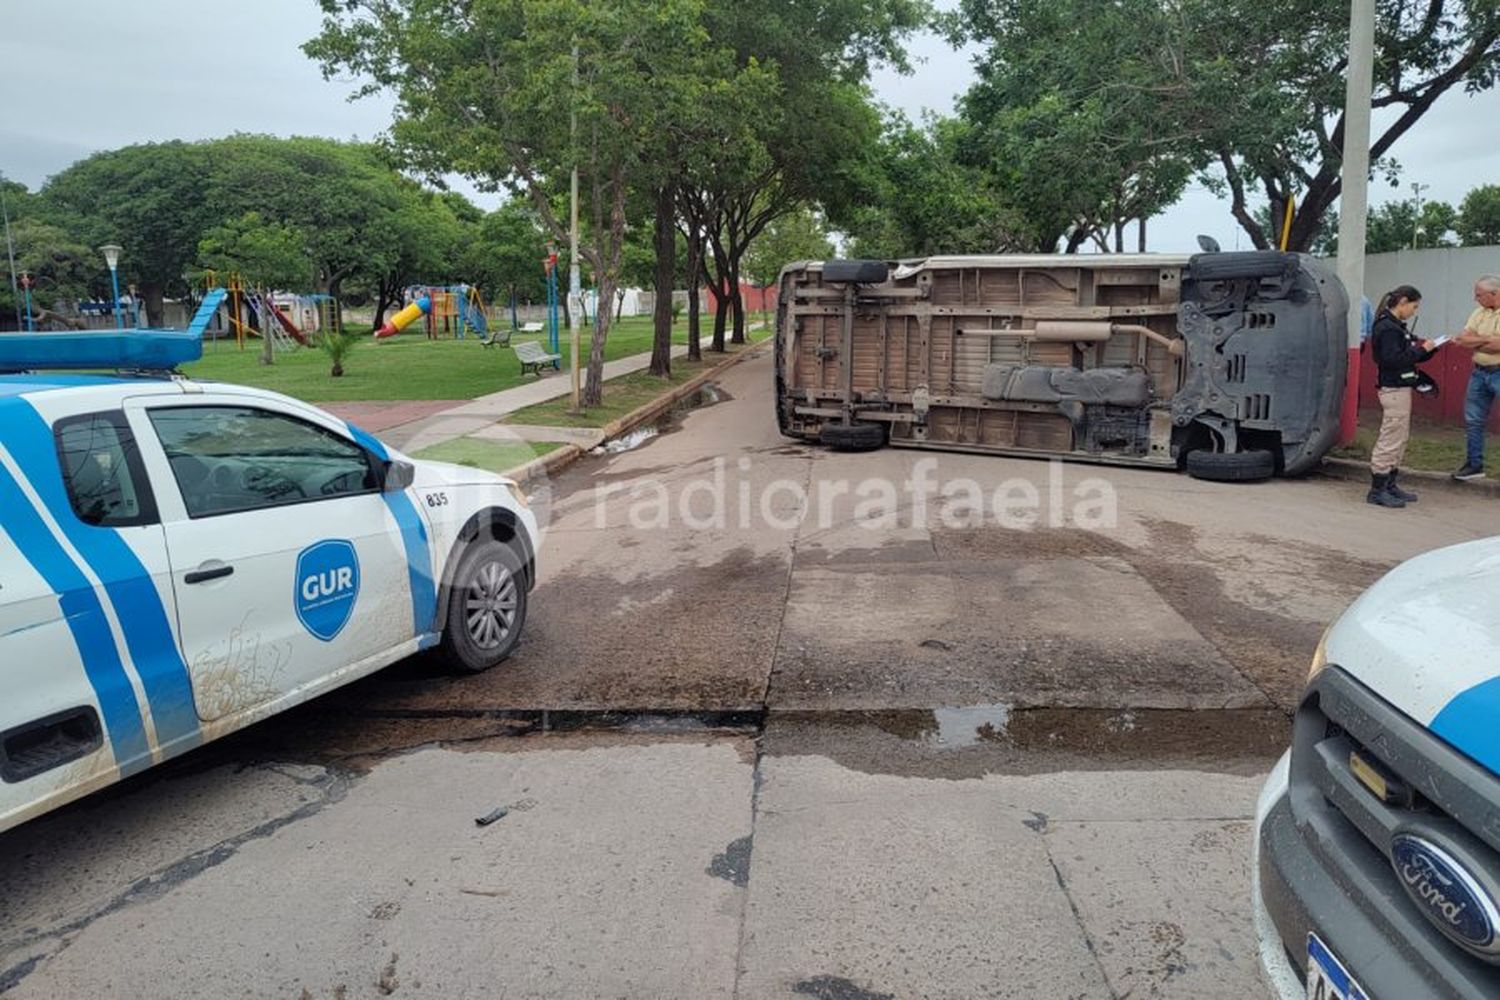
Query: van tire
(1231,467)
(852,437)
(487,570)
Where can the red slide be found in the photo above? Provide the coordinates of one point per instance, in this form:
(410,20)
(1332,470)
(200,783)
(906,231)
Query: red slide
(286,323)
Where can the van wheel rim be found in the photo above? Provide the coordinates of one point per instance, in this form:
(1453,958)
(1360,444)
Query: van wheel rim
(490,605)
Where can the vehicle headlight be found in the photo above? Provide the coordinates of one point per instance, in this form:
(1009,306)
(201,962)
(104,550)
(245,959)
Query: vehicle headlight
(1320,656)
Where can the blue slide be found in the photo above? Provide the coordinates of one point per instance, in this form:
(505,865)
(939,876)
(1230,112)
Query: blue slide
(205,313)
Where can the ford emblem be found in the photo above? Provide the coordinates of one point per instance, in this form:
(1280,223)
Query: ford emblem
(1449,893)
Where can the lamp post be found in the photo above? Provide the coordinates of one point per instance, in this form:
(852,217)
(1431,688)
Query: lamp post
(1417,228)
(26,287)
(112,258)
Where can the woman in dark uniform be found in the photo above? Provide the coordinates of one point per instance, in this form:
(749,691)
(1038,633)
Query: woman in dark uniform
(1397,353)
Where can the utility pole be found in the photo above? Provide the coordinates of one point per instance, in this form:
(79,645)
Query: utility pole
(1354,193)
(575,292)
(1416,215)
(10,252)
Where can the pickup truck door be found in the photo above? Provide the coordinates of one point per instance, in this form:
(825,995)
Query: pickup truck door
(288,566)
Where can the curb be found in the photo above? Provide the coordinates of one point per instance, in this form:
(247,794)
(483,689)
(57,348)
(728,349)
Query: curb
(556,461)
(1350,470)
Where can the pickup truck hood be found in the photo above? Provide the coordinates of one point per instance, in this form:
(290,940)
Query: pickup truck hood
(1426,637)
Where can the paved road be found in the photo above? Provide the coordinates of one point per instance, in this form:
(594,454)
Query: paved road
(777,738)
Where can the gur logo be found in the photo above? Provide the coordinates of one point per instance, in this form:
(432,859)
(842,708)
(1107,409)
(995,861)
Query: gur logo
(327,587)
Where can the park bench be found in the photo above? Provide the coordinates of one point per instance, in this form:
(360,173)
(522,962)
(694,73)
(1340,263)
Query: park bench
(498,335)
(534,358)
(531,327)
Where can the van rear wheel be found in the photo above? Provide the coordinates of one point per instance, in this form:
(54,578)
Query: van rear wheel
(1231,467)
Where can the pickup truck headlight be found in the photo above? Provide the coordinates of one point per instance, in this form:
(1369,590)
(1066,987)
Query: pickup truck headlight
(1320,656)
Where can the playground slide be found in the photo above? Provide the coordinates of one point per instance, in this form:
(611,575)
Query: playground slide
(406,317)
(286,323)
(475,317)
(205,314)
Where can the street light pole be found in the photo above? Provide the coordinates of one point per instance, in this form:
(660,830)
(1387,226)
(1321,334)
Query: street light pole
(112,258)
(1416,224)
(1354,193)
(26,286)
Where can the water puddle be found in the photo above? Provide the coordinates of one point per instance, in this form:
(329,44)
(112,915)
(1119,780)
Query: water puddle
(1088,730)
(966,727)
(628,442)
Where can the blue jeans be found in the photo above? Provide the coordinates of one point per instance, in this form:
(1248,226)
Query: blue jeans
(1484,386)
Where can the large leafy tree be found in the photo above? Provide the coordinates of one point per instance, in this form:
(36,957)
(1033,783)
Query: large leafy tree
(1253,87)
(342,197)
(1068,117)
(492,91)
(923,200)
(153,200)
(808,145)
(799,235)
(506,257)
(1479,216)
(266,254)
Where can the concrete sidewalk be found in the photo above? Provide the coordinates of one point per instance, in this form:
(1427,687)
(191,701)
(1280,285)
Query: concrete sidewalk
(466,418)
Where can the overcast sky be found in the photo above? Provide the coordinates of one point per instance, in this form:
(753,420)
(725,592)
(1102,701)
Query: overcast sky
(112,73)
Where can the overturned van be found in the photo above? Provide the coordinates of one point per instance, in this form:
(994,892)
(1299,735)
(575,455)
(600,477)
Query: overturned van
(1230,365)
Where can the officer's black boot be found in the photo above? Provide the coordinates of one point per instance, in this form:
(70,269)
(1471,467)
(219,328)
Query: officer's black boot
(1396,491)
(1380,491)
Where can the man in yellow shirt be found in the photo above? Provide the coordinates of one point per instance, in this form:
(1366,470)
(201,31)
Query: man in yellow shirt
(1482,336)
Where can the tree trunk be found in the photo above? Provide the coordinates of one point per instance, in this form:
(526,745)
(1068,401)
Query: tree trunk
(153,292)
(1141,236)
(593,390)
(384,298)
(721,320)
(695,286)
(666,273)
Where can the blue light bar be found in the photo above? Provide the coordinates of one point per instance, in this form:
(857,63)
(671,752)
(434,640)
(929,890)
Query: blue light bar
(144,350)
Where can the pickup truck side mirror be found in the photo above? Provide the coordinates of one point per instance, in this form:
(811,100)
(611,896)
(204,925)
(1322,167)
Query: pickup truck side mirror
(398,476)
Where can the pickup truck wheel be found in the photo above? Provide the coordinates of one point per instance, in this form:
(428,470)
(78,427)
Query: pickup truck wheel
(1232,467)
(854,437)
(486,607)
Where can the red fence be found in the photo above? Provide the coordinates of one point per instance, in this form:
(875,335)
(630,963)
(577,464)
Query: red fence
(1449,368)
(755,298)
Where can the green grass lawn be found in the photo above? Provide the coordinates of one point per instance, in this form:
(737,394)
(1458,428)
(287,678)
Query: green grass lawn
(621,395)
(482,453)
(1433,449)
(408,366)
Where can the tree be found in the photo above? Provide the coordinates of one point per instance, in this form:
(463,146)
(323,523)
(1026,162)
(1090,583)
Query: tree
(1479,217)
(807,143)
(492,91)
(1067,117)
(507,254)
(60,268)
(265,254)
(153,200)
(797,236)
(1265,89)
(921,200)
(1396,225)
(1254,87)
(343,198)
